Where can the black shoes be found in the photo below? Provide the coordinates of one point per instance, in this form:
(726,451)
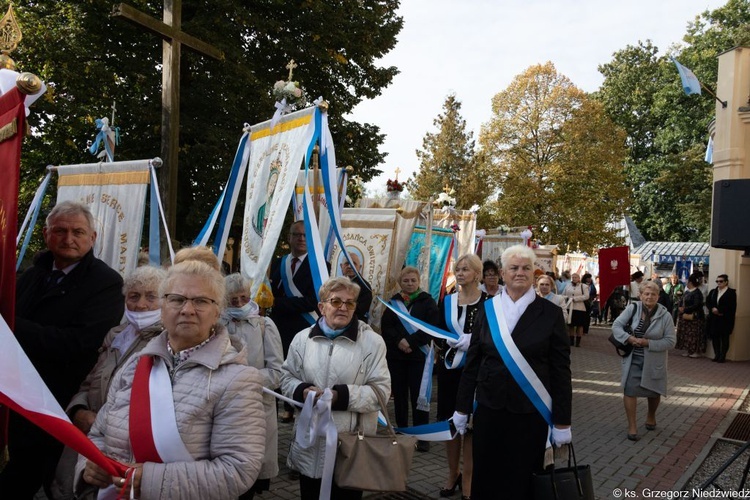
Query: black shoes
(423,446)
(448,492)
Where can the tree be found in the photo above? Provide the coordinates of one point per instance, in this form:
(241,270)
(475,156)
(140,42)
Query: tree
(447,159)
(90,60)
(667,131)
(559,158)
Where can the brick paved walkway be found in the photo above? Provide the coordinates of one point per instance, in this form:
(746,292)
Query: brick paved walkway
(701,396)
(700,404)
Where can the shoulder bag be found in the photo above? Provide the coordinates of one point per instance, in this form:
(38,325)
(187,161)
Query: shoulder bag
(573,482)
(624,350)
(374,463)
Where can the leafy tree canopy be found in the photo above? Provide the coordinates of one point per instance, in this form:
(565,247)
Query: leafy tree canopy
(89,60)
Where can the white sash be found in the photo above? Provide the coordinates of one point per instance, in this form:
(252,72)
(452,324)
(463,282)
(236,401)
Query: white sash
(163,420)
(290,288)
(316,421)
(451,319)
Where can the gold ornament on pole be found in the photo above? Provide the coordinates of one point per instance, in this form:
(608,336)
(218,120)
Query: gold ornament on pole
(10,35)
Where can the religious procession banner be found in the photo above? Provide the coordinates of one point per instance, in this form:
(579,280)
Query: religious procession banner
(441,243)
(369,233)
(116,194)
(276,156)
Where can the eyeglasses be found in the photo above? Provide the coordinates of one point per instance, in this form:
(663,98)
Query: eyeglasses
(337,303)
(488,276)
(177,301)
(298,235)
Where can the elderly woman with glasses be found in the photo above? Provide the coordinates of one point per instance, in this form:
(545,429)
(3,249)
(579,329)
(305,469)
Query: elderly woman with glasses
(173,412)
(343,355)
(142,323)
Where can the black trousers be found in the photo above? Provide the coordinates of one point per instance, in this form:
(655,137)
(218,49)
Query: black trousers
(309,489)
(508,448)
(406,377)
(33,459)
(720,343)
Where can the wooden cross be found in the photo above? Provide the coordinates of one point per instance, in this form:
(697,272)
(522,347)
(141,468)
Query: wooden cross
(291,67)
(397,171)
(170,31)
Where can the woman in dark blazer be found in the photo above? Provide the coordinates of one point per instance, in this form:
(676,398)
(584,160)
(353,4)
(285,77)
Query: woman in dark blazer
(690,322)
(510,434)
(722,306)
(404,353)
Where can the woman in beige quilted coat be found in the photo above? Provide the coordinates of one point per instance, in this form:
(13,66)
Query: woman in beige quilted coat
(211,443)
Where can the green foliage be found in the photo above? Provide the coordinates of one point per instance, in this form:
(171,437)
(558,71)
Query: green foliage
(559,159)
(447,159)
(667,131)
(89,60)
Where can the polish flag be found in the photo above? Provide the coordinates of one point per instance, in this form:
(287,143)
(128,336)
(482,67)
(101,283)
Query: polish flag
(23,391)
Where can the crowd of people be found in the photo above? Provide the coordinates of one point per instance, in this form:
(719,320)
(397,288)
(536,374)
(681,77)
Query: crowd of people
(166,389)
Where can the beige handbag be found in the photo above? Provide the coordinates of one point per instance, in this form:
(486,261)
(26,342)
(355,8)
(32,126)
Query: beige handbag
(374,463)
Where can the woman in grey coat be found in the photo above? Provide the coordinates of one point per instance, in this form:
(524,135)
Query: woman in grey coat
(644,370)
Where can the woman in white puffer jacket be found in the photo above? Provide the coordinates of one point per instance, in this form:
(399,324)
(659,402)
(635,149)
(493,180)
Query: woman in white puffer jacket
(344,355)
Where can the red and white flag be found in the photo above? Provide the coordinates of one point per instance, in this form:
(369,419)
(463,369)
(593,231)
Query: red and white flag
(22,389)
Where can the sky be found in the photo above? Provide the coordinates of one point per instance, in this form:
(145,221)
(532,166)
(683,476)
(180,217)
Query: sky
(474,48)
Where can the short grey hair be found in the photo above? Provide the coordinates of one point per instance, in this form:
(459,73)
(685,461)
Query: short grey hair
(210,277)
(70,208)
(649,284)
(236,283)
(518,251)
(146,277)
(338,283)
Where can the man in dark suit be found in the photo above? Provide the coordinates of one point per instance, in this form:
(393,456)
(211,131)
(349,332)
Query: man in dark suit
(295,303)
(65,304)
(364,301)
(722,307)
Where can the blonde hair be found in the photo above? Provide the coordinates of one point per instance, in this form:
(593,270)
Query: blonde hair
(210,277)
(201,254)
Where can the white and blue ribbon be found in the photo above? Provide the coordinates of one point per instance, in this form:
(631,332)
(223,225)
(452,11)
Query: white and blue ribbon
(32,214)
(208,227)
(315,421)
(154,233)
(425,386)
(290,289)
(101,138)
(439,431)
(429,329)
(161,212)
(236,175)
(450,303)
(522,372)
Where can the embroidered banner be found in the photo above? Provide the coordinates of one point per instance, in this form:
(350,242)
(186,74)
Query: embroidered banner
(276,157)
(116,194)
(442,240)
(368,233)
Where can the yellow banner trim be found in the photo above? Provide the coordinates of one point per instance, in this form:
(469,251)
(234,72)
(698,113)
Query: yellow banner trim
(282,127)
(114,178)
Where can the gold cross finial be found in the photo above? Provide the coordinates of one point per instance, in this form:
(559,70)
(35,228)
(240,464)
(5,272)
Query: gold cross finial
(291,67)
(398,171)
(10,35)
(446,188)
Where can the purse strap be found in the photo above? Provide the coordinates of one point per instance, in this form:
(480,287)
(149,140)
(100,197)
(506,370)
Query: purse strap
(579,485)
(383,407)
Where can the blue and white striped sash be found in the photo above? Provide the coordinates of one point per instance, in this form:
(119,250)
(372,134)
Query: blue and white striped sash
(290,289)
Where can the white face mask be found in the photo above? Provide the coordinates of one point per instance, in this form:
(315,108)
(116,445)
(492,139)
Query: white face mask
(142,319)
(248,310)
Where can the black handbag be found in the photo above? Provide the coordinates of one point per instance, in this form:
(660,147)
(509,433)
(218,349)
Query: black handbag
(573,482)
(624,350)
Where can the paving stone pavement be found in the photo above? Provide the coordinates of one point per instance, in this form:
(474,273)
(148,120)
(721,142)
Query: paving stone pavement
(699,406)
(702,399)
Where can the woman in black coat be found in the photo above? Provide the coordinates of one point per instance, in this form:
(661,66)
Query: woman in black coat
(510,434)
(405,351)
(722,306)
(690,322)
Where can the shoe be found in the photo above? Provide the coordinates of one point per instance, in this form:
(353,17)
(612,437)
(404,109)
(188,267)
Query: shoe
(423,446)
(293,475)
(650,427)
(448,492)
(684,355)
(633,437)
(694,355)
(287,418)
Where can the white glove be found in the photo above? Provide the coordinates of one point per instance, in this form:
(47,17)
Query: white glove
(560,436)
(460,421)
(463,342)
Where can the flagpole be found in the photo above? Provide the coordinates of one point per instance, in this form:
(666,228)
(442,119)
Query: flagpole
(723,103)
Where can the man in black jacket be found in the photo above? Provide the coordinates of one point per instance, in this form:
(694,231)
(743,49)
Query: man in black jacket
(295,304)
(65,304)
